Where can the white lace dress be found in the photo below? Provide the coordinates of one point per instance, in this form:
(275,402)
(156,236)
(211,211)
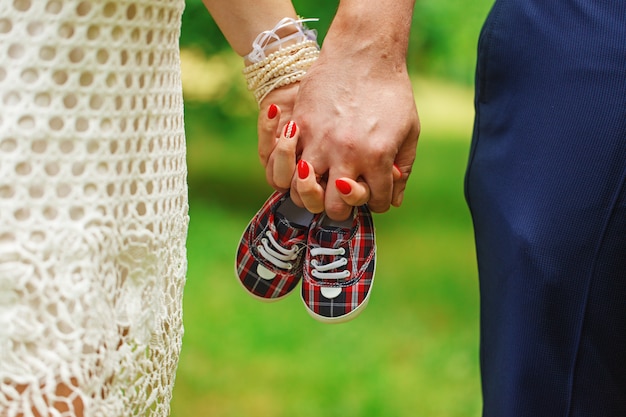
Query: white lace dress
(93,206)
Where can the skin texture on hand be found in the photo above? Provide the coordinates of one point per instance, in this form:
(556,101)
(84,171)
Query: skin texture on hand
(354,110)
(278,140)
(276,152)
(356,124)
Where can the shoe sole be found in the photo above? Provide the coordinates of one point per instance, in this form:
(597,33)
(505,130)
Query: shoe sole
(346,317)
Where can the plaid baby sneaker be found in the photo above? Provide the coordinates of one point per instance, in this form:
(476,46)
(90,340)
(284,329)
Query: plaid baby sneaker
(339,266)
(271,249)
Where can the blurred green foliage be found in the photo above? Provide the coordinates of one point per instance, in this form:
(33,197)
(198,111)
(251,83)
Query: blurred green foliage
(443,35)
(414,352)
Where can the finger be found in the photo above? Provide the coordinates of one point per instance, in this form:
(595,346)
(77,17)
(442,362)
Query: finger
(399,185)
(397,173)
(284,157)
(381,183)
(335,206)
(353,193)
(404,163)
(309,193)
(266,129)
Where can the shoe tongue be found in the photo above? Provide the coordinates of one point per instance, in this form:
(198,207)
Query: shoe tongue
(286,228)
(294,214)
(333,234)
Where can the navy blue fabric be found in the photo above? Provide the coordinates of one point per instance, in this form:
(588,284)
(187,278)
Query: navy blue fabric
(546,186)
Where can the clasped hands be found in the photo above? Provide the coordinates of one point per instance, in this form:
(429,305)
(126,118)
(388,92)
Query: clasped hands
(336,140)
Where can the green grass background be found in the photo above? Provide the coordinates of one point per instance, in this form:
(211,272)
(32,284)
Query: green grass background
(414,350)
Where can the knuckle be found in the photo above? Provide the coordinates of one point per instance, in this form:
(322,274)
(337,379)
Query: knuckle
(379,208)
(380,205)
(314,207)
(306,193)
(338,210)
(282,181)
(264,156)
(284,151)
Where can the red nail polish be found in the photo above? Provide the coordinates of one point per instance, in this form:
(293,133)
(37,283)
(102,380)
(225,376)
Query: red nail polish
(303,169)
(272,111)
(343,186)
(290,130)
(398,173)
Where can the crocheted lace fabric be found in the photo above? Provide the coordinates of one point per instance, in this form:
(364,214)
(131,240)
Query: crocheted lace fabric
(93,206)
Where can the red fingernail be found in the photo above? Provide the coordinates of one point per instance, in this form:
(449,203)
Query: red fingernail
(290,130)
(303,169)
(272,111)
(398,172)
(343,186)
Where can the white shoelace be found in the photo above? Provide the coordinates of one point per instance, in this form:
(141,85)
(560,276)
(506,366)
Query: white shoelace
(320,270)
(277,255)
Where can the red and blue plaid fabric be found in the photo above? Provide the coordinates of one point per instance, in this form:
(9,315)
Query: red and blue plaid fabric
(270,253)
(339,267)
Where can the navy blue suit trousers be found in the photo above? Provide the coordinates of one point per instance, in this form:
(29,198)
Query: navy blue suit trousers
(546,186)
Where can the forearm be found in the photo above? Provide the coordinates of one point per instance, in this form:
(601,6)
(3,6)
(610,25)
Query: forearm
(242,20)
(377,31)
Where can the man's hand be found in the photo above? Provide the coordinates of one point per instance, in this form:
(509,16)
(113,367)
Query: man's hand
(356,123)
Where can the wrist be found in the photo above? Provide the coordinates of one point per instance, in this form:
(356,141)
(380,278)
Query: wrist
(280,56)
(370,31)
(287,32)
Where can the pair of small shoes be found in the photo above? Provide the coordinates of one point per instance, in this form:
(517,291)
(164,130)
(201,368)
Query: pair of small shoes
(336,261)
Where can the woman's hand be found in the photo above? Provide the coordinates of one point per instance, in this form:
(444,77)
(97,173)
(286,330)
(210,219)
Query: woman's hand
(277,144)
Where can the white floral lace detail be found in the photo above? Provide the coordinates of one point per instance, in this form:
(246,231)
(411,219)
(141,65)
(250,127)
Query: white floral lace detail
(93,207)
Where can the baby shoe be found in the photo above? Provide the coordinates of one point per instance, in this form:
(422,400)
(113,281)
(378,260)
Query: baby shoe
(339,266)
(271,249)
